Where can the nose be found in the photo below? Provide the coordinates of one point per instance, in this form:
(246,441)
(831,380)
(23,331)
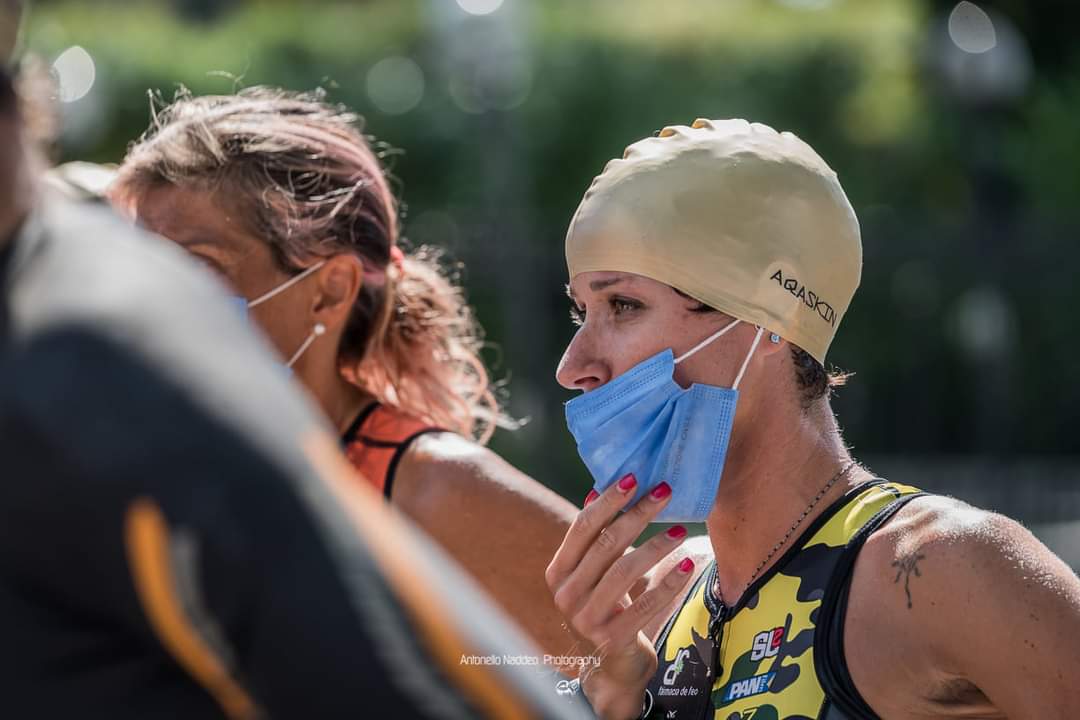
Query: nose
(580,367)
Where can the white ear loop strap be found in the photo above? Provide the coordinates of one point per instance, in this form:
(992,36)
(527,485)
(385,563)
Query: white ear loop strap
(286,285)
(706,341)
(753,347)
(316,332)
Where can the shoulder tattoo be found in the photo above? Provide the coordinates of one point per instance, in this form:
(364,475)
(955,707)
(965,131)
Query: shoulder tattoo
(906,567)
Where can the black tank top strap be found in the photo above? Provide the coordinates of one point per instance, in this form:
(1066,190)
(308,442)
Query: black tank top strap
(843,699)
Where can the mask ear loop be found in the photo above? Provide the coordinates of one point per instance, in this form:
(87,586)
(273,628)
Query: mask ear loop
(286,285)
(746,362)
(318,330)
(706,341)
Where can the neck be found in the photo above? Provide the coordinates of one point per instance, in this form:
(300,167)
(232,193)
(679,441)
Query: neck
(340,400)
(767,484)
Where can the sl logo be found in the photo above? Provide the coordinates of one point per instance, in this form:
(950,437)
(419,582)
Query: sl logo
(767,644)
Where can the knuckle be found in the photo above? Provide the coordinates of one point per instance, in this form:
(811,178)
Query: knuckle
(644,509)
(660,544)
(607,541)
(674,581)
(645,605)
(621,570)
(585,621)
(584,523)
(564,600)
(594,634)
(552,576)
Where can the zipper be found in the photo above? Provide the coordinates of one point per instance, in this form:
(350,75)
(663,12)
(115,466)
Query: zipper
(716,633)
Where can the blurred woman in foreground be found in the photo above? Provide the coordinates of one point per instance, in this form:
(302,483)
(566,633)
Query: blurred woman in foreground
(281,195)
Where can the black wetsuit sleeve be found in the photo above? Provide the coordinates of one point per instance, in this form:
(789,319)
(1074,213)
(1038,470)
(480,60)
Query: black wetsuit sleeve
(169,549)
(253,566)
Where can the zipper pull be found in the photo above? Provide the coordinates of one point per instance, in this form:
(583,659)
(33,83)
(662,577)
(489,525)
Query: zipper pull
(716,634)
(716,624)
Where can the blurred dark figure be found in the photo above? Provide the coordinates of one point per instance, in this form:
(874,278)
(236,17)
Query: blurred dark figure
(179,536)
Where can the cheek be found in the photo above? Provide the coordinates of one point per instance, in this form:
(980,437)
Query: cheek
(621,348)
(282,323)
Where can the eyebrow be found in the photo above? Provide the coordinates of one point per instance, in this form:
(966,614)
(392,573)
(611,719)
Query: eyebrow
(595,286)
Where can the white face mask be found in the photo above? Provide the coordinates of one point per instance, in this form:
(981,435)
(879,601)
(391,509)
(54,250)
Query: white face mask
(316,331)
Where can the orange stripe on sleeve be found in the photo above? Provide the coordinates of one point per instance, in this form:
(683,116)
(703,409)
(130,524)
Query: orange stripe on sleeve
(146,535)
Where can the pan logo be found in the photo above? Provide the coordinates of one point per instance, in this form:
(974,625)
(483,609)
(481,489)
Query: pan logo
(747,688)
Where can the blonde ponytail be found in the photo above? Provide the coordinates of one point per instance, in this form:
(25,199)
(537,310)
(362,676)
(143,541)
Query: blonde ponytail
(423,357)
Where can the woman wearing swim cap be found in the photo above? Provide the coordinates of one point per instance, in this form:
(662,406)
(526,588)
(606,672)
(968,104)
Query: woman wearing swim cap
(709,269)
(283,197)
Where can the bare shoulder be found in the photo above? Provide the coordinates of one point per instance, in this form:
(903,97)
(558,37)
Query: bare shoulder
(939,541)
(946,590)
(442,469)
(939,525)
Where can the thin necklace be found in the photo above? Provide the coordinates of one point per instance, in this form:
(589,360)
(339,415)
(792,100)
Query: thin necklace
(783,541)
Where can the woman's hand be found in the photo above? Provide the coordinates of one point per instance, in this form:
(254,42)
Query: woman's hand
(590,576)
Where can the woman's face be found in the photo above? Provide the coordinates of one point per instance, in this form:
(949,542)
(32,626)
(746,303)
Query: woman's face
(626,318)
(217,238)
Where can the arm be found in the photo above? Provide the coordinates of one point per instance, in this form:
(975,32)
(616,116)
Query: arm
(499,523)
(987,611)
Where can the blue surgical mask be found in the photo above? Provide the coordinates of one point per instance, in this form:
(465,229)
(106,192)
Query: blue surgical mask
(243,304)
(643,422)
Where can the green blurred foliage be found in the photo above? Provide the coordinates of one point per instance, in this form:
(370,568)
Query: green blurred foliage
(960,333)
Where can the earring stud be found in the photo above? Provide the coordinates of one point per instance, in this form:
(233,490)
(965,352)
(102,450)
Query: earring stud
(319,328)
(774,339)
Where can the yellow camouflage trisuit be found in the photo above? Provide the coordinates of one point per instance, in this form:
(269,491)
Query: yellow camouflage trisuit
(780,646)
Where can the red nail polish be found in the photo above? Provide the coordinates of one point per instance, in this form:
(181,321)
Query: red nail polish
(661,491)
(628,482)
(590,497)
(686,565)
(676,533)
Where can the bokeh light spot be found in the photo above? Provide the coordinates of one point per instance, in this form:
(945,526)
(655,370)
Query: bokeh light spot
(480,7)
(395,85)
(75,73)
(971,29)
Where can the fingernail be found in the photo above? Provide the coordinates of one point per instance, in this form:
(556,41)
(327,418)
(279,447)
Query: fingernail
(590,497)
(676,533)
(661,491)
(628,482)
(686,565)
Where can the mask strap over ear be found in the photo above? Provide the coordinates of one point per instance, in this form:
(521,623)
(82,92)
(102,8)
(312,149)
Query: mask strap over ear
(753,347)
(706,341)
(286,285)
(318,330)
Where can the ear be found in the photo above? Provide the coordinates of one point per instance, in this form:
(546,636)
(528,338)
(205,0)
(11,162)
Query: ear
(339,282)
(771,343)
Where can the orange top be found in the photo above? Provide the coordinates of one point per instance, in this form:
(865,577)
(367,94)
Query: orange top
(378,438)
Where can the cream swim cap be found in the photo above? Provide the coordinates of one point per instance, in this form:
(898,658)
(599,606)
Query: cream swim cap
(745,219)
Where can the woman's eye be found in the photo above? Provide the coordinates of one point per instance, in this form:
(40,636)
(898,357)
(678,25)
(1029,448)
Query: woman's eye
(622,305)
